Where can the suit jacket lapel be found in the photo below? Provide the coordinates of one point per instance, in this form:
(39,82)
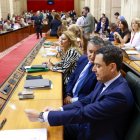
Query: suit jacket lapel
(110,87)
(81,69)
(96,91)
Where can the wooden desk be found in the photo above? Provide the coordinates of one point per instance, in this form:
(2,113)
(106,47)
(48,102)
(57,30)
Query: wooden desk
(16,118)
(133,66)
(14,109)
(54,93)
(128,65)
(8,39)
(55,77)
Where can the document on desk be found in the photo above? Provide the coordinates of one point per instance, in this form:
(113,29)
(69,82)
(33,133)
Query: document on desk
(24,134)
(132,52)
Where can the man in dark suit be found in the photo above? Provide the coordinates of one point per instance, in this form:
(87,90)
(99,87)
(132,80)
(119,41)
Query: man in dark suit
(101,26)
(37,24)
(102,115)
(78,87)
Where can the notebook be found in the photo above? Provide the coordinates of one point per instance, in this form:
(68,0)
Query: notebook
(37,83)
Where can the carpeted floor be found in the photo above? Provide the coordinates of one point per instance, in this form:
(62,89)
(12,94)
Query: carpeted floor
(11,58)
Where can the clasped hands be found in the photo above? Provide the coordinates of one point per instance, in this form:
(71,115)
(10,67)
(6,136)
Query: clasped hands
(67,100)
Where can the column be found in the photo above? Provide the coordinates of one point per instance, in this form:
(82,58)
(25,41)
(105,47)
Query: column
(115,7)
(5,8)
(130,9)
(0,10)
(11,7)
(78,6)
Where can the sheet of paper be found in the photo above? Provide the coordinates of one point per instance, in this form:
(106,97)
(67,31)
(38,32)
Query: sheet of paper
(132,52)
(24,134)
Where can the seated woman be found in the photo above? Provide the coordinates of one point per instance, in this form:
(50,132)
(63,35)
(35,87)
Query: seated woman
(78,33)
(56,22)
(124,35)
(71,55)
(135,35)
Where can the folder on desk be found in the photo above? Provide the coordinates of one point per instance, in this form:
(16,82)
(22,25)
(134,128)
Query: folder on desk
(36,69)
(38,66)
(48,43)
(37,83)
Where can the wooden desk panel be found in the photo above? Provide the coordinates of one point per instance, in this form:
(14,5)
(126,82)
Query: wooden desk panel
(128,65)
(133,66)
(9,39)
(16,118)
(2,42)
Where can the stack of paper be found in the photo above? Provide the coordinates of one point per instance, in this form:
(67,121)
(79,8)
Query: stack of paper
(24,134)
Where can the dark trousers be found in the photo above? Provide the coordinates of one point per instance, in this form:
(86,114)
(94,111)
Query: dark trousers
(38,29)
(77,132)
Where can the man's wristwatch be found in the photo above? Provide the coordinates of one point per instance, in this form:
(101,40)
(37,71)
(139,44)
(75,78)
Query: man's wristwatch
(40,117)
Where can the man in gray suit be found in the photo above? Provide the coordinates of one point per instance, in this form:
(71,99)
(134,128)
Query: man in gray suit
(89,24)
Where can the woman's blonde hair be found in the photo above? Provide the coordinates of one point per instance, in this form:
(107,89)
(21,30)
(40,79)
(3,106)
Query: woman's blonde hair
(76,30)
(72,39)
(137,21)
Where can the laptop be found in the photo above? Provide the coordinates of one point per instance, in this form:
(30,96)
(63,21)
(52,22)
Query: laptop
(37,83)
(131,55)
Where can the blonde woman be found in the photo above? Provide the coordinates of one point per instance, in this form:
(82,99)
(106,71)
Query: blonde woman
(71,55)
(135,35)
(78,33)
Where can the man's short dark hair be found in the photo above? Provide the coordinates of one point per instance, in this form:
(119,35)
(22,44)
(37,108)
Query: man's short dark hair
(111,54)
(116,14)
(86,8)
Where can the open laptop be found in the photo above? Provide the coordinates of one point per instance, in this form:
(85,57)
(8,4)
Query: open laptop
(37,83)
(131,55)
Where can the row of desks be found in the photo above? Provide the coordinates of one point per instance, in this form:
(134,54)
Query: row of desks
(10,38)
(14,110)
(133,66)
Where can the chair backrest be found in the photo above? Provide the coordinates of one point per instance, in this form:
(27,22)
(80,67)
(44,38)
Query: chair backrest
(134,127)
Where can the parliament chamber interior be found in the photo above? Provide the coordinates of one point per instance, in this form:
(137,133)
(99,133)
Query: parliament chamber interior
(69,69)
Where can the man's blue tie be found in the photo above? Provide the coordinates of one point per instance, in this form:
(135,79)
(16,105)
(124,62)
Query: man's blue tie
(81,79)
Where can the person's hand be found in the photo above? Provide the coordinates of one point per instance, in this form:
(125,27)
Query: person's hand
(116,34)
(50,64)
(67,100)
(48,108)
(32,115)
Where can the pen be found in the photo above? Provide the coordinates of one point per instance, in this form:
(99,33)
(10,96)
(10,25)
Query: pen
(2,123)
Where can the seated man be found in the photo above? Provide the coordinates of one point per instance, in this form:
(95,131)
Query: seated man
(83,80)
(102,115)
(101,26)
